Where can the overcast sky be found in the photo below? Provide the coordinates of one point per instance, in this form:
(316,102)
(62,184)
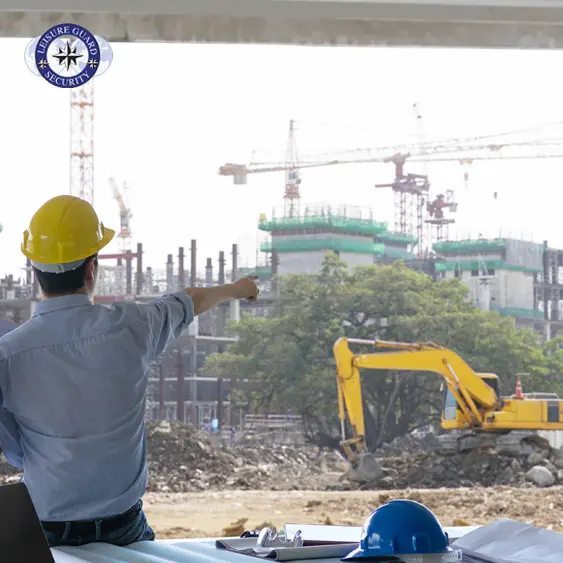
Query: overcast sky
(167,116)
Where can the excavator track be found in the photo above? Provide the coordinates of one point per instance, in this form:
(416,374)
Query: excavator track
(515,443)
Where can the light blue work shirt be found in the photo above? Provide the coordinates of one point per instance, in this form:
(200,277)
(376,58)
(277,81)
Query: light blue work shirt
(9,433)
(75,378)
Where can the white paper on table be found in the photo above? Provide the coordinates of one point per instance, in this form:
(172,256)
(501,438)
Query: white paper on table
(509,541)
(62,557)
(248,547)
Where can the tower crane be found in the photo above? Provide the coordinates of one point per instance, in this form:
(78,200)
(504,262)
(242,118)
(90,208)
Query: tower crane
(438,222)
(125,215)
(82,142)
(410,190)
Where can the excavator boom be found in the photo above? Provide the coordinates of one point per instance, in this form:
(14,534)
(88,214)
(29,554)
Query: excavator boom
(471,393)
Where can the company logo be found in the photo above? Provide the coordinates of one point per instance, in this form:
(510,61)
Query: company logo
(68,56)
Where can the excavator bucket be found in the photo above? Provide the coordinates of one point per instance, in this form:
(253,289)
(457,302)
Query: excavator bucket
(365,469)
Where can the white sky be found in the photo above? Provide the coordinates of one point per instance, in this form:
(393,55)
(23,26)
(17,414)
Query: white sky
(167,116)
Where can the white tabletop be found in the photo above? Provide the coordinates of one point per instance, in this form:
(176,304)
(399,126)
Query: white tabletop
(172,551)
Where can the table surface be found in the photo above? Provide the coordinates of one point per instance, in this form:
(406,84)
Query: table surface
(173,551)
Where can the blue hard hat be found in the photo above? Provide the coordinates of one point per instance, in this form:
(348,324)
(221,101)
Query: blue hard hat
(401,527)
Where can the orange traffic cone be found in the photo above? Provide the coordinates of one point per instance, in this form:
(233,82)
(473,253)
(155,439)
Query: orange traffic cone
(518,392)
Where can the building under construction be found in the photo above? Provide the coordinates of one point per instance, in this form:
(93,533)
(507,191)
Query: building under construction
(517,278)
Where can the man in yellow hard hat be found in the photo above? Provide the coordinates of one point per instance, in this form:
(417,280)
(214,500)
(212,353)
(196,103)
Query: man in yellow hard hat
(74,377)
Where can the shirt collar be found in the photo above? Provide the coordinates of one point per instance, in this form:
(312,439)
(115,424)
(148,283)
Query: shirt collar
(59,303)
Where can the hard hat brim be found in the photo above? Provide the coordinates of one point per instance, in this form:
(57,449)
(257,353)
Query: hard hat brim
(359,554)
(109,234)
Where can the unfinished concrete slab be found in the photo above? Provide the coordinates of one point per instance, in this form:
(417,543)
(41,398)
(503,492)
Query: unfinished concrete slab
(433,23)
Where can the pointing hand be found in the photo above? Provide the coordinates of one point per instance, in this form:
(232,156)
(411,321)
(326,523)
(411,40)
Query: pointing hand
(246,288)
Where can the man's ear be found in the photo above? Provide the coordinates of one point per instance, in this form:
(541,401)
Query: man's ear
(91,270)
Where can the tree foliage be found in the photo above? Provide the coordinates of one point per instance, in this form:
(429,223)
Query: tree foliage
(288,359)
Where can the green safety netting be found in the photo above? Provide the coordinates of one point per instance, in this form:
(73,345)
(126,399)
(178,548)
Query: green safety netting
(364,226)
(336,245)
(397,238)
(466,246)
(518,312)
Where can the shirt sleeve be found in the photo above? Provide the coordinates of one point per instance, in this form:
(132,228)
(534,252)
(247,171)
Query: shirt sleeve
(164,320)
(2,380)
(10,439)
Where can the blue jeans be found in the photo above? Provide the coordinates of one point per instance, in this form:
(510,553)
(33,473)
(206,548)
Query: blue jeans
(135,530)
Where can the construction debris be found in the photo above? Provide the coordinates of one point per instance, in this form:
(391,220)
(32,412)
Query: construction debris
(182,459)
(409,444)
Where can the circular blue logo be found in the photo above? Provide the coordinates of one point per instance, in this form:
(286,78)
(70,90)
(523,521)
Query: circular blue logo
(67,55)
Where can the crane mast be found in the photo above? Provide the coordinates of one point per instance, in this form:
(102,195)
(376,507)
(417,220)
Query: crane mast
(82,142)
(125,235)
(292,180)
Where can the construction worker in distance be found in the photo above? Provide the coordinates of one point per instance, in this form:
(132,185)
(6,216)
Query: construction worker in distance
(75,375)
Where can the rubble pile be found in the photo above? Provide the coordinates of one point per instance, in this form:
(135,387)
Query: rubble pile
(409,444)
(183,460)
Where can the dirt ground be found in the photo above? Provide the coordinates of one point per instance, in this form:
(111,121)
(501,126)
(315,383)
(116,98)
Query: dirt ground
(180,515)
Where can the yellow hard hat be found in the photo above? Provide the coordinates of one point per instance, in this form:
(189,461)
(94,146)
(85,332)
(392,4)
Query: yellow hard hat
(63,233)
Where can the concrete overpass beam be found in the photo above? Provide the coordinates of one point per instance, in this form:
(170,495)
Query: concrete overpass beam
(431,23)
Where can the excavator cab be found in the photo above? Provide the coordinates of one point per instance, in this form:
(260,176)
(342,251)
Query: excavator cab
(451,407)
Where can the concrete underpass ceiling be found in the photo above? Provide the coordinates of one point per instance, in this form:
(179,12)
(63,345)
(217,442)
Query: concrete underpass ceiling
(481,23)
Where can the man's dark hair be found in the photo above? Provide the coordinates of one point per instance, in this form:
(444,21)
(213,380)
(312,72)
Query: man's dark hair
(65,283)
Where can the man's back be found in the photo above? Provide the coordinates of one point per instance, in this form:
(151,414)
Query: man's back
(75,377)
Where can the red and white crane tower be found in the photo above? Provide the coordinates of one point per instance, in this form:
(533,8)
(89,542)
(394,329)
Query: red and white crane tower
(82,142)
(82,179)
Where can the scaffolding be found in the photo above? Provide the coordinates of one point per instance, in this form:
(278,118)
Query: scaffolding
(470,246)
(397,239)
(296,244)
(353,220)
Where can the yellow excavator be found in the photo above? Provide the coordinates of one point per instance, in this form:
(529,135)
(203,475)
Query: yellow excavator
(473,410)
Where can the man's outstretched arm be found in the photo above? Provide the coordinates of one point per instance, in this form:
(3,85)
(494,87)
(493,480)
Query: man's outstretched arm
(206,298)
(169,315)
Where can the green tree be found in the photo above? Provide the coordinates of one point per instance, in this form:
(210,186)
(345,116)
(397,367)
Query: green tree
(288,356)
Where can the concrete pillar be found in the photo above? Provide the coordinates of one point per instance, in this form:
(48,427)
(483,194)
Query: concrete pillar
(235,303)
(128,274)
(140,280)
(209,273)
(234,273)
(222,309)
(180,412)
(193,339)
(181,270)
(221,277)
(170,275)
(193,265)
